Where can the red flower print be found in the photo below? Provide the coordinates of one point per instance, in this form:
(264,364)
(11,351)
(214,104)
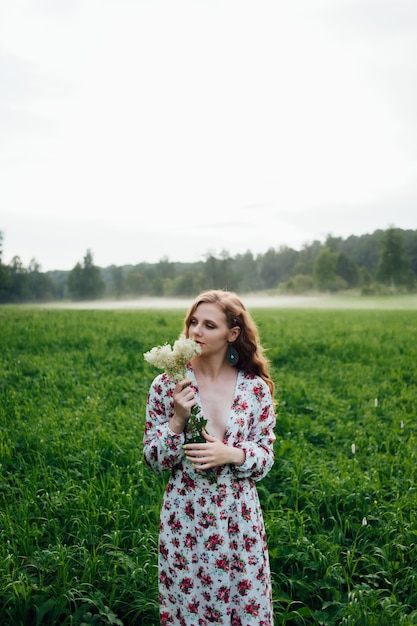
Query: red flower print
(190,540)
(174,523)
(179,617)
(163,550)
(223,562)
(244,586)
(207,519)
(219,497)
(258,393)
(180,562)
(213,542)
(165,580)
(188,481)
(233,528)
(261,574)
(264,415)
(166,464)
(204,578)
(238,564)
(212,615)
(166,618)
(252,608)
(235,621)
(193,607)
(189,510)
(246,511)
(238,488)
(186,585)
(248,542)
(223,594)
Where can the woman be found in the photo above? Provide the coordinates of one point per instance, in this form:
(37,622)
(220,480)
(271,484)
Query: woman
(213,557)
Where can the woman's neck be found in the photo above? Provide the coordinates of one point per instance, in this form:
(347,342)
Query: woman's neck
(210,369)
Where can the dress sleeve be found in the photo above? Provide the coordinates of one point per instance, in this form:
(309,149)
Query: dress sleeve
(162,448)
(258,444)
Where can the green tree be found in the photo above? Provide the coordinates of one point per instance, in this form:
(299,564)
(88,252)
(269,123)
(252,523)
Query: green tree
(4,275)
(346,269)
(118,281)
(137,283)
(393,267)
(84,280)
(219,272)
(305,259)
(187,284)
(40,285)
(324,270)
(246,269)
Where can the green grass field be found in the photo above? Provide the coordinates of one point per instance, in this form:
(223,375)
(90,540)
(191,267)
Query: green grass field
(79,511)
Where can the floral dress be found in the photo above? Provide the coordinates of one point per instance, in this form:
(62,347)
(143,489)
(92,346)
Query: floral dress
(213,556)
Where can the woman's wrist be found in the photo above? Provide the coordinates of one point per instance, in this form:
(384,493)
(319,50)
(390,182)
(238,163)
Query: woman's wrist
(176,425)
(238,456)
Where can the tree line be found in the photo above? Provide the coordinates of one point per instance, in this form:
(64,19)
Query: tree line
(382,262)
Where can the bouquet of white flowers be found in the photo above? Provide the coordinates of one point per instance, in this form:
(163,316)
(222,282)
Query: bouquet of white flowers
(173,360)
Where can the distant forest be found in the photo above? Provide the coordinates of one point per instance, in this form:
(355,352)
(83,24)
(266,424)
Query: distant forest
(379,263)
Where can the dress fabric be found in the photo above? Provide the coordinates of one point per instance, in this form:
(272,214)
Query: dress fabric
(213,557)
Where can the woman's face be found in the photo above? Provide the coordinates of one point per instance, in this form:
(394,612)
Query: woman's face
(209,329)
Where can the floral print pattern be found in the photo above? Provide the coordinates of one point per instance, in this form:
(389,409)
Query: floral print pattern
(213,556)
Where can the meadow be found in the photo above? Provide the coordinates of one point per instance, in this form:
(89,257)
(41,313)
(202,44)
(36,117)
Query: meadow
(79,510)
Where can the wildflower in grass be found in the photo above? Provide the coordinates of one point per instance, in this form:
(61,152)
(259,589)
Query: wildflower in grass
(376,402)
(364,521)
(401,424)
(353,448)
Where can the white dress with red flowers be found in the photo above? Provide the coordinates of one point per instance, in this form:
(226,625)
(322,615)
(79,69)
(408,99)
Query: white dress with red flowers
(213,556)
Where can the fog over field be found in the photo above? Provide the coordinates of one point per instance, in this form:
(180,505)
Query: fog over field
(251,302)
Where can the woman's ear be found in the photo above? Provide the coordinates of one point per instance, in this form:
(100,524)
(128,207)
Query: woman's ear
(234,333)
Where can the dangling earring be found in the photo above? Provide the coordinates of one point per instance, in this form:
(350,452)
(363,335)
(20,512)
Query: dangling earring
(232,355)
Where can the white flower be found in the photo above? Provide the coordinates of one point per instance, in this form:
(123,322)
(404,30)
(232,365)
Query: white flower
(353,448)
(174,360)
(364,522)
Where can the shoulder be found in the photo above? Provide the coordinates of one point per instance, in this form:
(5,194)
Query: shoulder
(161,384)
(255,384)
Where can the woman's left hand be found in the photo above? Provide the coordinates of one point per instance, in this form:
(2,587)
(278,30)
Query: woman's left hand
(213,453)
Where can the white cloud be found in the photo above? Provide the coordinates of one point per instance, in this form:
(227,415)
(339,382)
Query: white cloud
(146,129)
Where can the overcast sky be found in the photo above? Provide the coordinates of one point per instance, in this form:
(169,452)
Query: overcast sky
(144,129)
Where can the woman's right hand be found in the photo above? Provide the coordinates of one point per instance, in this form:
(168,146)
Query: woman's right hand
(184,400)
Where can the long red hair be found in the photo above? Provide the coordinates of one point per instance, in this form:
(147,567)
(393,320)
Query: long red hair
(248,345)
